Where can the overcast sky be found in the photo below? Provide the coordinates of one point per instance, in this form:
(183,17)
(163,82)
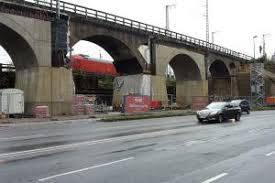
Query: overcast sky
(236,20)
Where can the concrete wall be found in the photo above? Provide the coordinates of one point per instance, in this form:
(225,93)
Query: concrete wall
(140,84)
(220,87)
(37,33)
(46,86)
(28,42)
(243,80)
(188,89)
(159,91)
(185,89)
(269,87)
(240,77)
(131,85)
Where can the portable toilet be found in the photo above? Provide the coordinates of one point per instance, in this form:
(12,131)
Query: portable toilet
(11,101)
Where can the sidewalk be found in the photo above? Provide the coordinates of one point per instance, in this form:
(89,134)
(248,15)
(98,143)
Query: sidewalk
(56,118)
(108,117)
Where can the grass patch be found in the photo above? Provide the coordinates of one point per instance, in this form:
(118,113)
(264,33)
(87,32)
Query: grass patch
(129,117)
(265,108)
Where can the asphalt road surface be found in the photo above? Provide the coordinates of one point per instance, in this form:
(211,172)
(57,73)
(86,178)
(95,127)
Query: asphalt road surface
(167,150)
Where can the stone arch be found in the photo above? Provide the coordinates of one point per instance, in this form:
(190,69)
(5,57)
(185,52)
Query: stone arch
(122,46)
(185,68)
(28,41)
(219,69)
(220,83)
(165,54)
(125,60)
(188,79)
(18,44)
(187,88)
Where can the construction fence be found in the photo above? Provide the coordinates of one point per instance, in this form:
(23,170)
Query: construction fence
(91,104)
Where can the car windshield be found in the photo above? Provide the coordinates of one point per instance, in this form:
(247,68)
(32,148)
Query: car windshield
(216,105)
(235,102)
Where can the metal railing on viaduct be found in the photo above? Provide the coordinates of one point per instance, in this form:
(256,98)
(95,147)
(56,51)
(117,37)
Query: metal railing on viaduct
(150,30)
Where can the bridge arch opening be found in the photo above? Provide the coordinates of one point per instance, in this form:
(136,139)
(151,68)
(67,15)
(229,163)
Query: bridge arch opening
(123,58)
(105,58)
(15,55)
(219,82)
(185,75)
(7,70)
(18,48)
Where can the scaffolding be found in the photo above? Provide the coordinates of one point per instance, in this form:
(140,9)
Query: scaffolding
(257,84)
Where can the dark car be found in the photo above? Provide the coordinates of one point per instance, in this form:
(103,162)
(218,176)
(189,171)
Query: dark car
(219,111)
(243,104)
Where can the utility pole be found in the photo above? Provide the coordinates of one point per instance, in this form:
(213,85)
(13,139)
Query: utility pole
(254,37)
(58,9)
(167,17)
(167,8)
(207,21)
(213,36)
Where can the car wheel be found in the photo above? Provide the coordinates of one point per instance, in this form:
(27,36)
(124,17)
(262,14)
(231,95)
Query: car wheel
(248,111)
(238,117)
(220,119)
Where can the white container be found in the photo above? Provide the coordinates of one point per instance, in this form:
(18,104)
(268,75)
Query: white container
(12,101)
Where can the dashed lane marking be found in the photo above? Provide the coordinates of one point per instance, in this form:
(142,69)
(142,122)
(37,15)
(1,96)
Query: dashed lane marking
(84,169)
(215,178)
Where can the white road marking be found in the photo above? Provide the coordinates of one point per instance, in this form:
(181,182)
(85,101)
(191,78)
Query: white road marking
(270,154)
(22,137)
(84,169)
(85,143)
(215,178)
(54,148)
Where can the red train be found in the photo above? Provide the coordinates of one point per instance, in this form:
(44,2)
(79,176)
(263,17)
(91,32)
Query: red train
(91,65)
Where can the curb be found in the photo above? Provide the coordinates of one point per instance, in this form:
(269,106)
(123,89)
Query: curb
(95,118)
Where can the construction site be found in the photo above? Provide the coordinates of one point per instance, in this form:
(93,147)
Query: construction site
(63,83)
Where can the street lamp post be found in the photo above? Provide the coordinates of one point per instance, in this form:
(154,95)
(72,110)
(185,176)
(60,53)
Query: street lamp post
(254,37)
(264,44)
(207,20)
(167,8)
(58,9)
(213,36)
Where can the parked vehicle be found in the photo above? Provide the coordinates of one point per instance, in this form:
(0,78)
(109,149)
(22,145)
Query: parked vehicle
(243,104)
(219,111)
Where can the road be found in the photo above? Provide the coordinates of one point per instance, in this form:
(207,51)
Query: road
(167,150)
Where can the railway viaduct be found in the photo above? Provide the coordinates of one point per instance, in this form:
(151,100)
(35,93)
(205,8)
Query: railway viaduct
(37,43)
